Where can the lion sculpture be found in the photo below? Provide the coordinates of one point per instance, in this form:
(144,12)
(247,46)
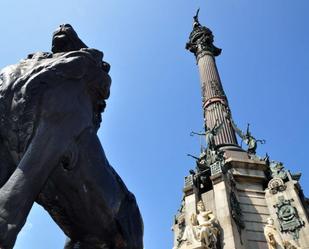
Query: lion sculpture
(50,111)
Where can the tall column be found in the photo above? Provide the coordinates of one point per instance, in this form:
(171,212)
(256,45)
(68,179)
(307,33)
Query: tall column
(215,103)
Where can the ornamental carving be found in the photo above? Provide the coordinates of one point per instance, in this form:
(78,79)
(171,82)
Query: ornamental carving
(236,213)
(216,88)
(276,185)
(288,217)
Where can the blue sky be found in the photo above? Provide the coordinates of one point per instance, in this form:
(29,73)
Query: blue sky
(155,97)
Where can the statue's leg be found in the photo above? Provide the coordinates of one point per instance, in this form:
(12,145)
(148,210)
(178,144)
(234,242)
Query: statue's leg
(64,113)
(205,236)
(89,201)
(18,194)
(7,165)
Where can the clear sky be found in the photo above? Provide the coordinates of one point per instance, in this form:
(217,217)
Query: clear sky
(155,98)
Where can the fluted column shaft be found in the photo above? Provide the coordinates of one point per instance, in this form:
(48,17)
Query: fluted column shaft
(215,104)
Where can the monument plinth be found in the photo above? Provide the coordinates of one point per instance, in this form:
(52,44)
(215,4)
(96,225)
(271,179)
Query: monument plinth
(254,202)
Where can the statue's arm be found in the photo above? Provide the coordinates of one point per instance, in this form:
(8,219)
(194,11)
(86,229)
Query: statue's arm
(194,220)
(237,130)
(212,218)
(7,165)
(262,141)
(59,126)
(197,133)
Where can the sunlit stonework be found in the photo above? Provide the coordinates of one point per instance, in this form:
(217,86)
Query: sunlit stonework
(235,198)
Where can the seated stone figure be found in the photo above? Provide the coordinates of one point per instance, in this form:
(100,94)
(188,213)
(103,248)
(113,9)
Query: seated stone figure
(203,228)
(50,111)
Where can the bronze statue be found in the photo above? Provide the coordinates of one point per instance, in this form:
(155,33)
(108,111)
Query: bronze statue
(51,106)
(248,138)
(210,134)
(201,36)
(196,22)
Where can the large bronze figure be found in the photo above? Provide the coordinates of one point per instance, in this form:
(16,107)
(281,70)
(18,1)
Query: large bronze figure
(50,107)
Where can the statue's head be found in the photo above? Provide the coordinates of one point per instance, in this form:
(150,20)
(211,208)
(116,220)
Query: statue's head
(270,221)
(200,206)
(65,39)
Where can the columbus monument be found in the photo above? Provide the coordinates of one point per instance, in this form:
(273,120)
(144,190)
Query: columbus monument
(234,198)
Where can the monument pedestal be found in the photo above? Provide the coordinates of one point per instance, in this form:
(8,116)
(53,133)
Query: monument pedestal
(243,197)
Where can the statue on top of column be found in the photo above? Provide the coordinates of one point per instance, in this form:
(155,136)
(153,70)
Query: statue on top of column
(196,22)
(201,39)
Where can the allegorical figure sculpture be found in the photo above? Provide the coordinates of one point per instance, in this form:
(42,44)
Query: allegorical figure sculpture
(50,111)
(210,134)
(274,238)
(278,170)
(203,228)
(247,137)
(272,235)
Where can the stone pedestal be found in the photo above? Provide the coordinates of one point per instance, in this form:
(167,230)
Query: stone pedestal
(244,196)
(248,177)
(229,237)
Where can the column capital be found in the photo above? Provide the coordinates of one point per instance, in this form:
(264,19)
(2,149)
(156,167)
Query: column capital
(201,40)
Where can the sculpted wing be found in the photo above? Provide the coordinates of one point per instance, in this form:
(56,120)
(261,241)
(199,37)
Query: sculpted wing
(237,130)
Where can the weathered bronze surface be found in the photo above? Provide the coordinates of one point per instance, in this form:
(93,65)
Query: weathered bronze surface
(50,105)
(247,138)
(201,39)
(288,217)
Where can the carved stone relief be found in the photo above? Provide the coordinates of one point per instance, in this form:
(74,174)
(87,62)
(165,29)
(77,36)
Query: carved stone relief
(288,217)
(276,185)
